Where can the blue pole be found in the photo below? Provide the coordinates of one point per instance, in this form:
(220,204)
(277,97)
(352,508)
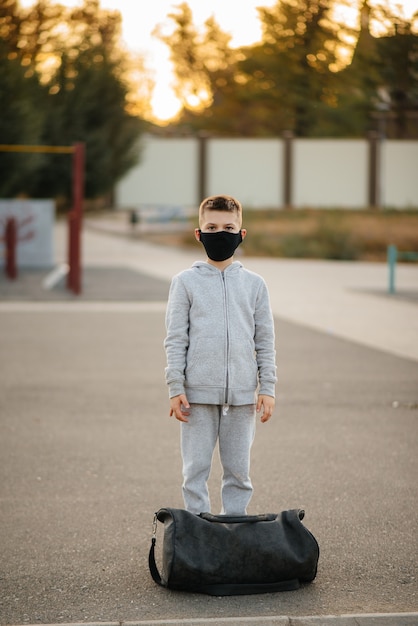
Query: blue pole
(392,254)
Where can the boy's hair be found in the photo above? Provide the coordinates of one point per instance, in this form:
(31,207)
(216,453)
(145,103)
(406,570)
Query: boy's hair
(220,203)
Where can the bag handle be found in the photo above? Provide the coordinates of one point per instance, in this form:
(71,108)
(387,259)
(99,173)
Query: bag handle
(238,519)
(249,519)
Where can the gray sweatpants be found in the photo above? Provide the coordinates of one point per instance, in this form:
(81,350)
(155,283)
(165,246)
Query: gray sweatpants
(235,431)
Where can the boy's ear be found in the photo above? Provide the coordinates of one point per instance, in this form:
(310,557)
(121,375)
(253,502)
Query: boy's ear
(243,232)
(197,233)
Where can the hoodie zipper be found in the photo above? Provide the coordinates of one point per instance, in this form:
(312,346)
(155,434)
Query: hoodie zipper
(225,407)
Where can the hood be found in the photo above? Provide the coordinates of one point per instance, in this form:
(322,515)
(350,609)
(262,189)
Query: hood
(207,268)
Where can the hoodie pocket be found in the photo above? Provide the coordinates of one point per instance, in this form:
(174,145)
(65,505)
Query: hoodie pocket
(205,365)
(242,365)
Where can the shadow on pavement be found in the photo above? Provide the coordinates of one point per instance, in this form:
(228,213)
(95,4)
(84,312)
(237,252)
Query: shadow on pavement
(98,284)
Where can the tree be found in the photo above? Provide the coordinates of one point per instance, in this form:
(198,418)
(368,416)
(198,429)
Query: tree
(379,88)
(285,82)
(299,47)
(398,74)
(76,54)
(205,65)
(294,79)
(21,116)
(203,62)
(88,99)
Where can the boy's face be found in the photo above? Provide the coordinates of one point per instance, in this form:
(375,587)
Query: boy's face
(213,221)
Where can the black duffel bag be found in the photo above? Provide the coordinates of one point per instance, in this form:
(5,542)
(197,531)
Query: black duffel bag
(223,555)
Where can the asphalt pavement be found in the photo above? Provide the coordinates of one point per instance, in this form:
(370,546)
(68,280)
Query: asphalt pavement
(88,452)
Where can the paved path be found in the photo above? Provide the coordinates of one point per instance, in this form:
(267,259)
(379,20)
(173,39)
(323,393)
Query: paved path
(347,299)
(88,452)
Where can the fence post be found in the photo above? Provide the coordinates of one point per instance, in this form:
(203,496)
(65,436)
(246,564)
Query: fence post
(375,200)
(287,169)
(202,139)
(392,255)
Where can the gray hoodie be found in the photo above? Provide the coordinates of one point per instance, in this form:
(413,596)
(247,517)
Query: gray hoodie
(220,336)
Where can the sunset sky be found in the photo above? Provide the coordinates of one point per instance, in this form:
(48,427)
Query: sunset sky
(140,17)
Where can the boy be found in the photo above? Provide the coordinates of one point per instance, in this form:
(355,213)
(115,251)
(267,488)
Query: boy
(220,355)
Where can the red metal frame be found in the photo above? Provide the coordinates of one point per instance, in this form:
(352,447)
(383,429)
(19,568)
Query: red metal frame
(75,215)
(75,221)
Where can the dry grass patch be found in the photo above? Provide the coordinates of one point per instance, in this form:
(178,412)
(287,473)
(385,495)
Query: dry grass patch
(312,233)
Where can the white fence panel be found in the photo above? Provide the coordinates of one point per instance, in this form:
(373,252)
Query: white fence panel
(399,181)
(251,170)
(167,174)
(330,173)
(325,173)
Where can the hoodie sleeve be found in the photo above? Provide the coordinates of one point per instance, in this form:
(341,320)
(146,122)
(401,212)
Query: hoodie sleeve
(265,343)
(176,342)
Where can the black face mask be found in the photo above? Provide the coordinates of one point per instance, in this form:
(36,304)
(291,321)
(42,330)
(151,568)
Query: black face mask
(221,245)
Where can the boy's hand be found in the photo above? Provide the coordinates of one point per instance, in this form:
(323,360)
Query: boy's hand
(267,404)
(178,407)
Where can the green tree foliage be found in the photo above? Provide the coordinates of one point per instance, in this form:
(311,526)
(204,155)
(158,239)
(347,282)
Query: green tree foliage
(294,61)
(397,64)
(83,95)
(294,79)
(379,89)
(21,98)
(285,82)
(202,61)
(205,68)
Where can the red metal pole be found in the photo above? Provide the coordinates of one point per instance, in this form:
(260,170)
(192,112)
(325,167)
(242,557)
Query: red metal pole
(75,220)
(11,240)
(71,260)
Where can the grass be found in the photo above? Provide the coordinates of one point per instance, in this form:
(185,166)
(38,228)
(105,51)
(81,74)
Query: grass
(319,234)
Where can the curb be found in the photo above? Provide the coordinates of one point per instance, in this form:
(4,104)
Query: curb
(362,619)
